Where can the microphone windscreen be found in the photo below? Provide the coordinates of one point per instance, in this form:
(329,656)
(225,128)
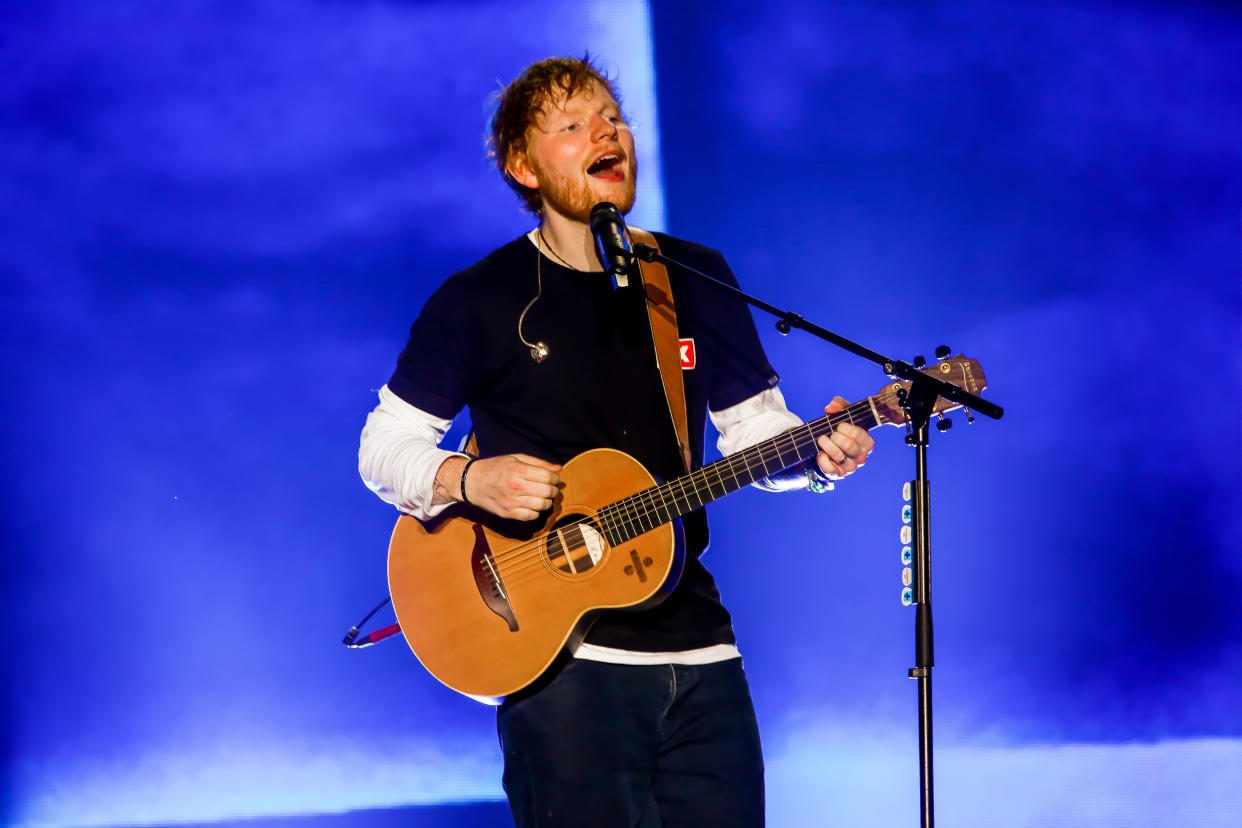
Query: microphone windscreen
(603,214)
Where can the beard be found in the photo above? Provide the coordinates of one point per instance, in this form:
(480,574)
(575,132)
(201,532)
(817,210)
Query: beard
(573,197)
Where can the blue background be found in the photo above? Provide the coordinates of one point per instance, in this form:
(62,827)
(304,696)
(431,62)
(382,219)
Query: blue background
(217,220)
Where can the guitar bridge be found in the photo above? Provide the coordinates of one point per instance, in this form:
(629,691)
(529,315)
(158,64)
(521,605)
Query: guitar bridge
(487,579)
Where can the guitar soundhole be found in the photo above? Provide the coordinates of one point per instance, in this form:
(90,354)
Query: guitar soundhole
(575,544)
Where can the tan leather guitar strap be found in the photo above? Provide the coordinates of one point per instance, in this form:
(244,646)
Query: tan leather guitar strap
(667,343)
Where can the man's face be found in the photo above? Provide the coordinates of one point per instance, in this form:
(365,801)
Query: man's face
(579,152)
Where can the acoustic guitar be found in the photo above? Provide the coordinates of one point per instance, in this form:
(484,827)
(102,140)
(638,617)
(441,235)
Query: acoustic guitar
(488,604)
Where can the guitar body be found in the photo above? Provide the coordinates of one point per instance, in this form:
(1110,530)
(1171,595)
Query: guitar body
(487,605)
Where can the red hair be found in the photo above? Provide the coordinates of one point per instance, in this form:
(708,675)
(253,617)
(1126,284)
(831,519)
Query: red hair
(519,106)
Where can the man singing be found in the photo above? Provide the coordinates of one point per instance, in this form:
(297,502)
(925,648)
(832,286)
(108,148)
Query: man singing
(650,722)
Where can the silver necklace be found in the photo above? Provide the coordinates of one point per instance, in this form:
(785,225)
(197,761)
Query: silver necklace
(544,245)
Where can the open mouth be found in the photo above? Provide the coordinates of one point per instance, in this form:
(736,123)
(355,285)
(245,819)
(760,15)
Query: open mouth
(607,167)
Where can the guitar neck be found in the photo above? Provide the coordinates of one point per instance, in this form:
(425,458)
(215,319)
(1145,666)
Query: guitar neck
(658,505)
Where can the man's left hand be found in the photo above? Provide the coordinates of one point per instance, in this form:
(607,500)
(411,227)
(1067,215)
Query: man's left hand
(845,450)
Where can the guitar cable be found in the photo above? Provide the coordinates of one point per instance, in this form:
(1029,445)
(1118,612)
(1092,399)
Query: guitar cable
(352,640)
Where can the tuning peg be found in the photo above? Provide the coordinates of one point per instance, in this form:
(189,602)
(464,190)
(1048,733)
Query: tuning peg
(943,351)
(970,417)
(943,424)
(919,362)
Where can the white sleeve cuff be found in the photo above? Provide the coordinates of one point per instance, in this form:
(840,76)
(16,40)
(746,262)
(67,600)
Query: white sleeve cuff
(399,454)
(753,420)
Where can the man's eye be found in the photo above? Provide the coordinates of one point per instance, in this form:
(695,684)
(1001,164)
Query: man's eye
(571,128)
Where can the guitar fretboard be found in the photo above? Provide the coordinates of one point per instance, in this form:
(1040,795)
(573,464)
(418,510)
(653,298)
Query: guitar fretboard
(658,505)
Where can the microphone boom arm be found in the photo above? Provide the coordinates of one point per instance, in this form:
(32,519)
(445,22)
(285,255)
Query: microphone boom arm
(787,320)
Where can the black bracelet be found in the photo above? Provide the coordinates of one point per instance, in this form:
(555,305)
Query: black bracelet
(465,469)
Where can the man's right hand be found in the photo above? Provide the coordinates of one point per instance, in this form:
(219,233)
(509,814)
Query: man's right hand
(515,486)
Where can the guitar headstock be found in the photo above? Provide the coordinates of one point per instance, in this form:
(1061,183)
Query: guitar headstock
(958,370)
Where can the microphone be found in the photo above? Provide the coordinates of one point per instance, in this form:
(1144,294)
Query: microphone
(611,245)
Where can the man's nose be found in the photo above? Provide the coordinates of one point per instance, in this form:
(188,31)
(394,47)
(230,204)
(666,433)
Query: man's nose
(602,127)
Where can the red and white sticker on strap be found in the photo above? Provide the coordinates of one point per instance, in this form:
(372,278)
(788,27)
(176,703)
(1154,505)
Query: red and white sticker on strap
(687,353)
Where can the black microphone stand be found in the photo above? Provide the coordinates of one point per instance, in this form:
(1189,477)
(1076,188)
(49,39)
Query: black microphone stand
(918,401)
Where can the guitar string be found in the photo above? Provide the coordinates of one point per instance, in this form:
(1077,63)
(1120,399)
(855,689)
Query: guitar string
(628,513)
(513,562)
(662,497)
(625,522)
(624,517)
(653,500)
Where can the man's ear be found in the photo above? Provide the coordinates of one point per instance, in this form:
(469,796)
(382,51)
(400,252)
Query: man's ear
(519,170)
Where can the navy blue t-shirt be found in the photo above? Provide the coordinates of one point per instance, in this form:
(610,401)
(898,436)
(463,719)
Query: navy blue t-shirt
(599,387)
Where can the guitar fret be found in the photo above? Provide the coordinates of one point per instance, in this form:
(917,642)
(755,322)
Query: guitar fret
(698,495)
(675,497)
(645,522)
(666,510)
(764,462)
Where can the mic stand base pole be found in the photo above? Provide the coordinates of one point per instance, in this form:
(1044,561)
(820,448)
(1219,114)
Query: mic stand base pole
(927,817)
(923,638)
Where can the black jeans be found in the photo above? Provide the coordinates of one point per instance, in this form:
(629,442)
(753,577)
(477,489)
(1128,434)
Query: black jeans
(604,745)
